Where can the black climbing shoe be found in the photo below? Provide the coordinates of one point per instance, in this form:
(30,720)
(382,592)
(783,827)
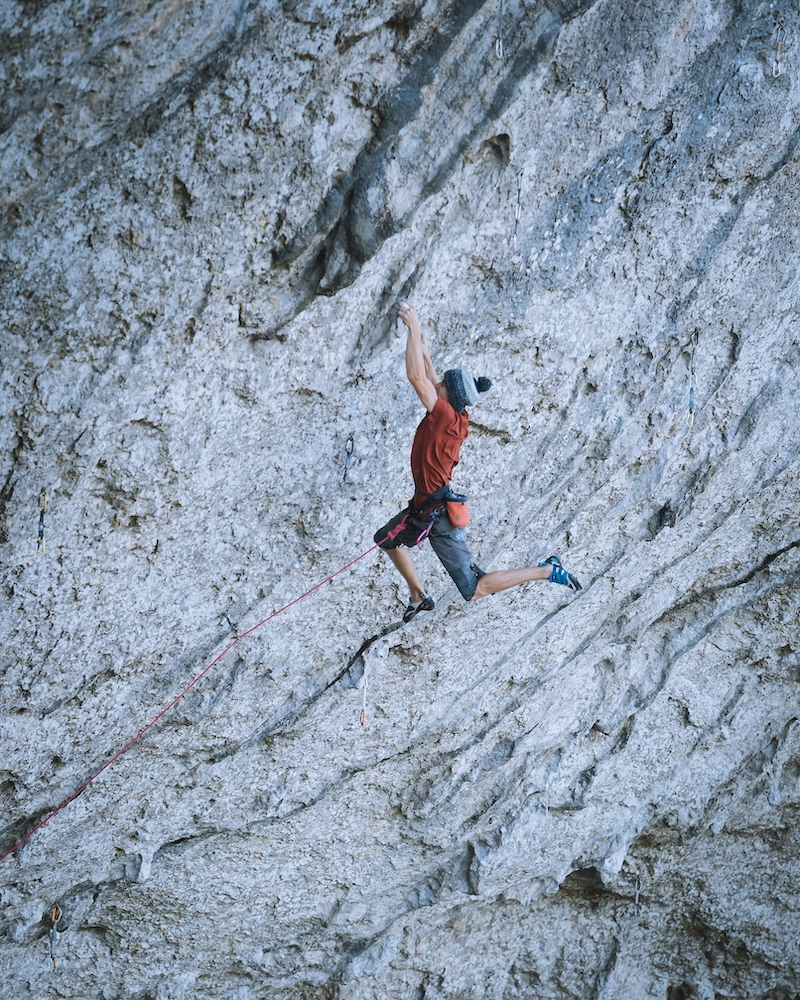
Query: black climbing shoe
(426,604)
(559,574)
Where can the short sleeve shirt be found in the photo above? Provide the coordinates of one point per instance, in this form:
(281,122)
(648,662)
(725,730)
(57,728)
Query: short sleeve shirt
(436,448)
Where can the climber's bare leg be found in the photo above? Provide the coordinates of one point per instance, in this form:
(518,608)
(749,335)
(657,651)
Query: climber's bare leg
(402,560)
(503,579)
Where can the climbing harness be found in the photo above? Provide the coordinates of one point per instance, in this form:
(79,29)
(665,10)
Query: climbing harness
(433,512)
(426,530)
(142,732)
(498,45)
(348,454)
(425,510)
(432,507)
(780,38)
(42,511)
(692,376)
(56,913)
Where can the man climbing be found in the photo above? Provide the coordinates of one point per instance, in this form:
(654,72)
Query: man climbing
(434,455)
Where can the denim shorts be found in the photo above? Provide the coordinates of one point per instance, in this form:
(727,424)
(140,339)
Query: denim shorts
(448,542)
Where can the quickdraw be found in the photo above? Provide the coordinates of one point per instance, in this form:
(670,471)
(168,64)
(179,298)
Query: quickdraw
(42,511)
(363,716)
(348,454)
(692,377)
(780,38)
(498,45)
(56,913)
(517,207)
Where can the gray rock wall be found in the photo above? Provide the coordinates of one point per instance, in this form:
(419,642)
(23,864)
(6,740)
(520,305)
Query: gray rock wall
(208,210)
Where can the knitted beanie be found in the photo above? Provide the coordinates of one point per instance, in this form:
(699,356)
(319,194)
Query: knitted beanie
(463,389)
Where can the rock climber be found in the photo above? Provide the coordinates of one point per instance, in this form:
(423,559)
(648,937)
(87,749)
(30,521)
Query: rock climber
(434,455)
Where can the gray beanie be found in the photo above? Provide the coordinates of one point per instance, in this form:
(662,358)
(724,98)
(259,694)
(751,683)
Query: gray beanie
(463,389)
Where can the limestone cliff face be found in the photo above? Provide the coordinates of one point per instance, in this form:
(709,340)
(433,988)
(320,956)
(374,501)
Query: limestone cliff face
(208,210)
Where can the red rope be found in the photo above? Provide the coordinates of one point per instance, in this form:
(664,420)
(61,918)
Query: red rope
(175,701)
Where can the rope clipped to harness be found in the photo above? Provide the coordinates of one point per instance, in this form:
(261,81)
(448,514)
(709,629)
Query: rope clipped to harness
(401,525)
(432,507)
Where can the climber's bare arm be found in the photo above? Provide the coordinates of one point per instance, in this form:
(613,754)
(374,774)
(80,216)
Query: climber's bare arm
(420,370)
(430,371)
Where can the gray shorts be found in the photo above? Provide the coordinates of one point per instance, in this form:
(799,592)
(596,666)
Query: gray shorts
(448,542)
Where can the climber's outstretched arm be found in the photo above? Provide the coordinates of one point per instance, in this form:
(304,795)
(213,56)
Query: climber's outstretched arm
(419,368)
(430,371)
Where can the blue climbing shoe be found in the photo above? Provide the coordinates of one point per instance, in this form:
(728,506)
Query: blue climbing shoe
(426,604)
(559,574)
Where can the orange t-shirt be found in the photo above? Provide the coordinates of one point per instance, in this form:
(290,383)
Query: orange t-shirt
(436,448)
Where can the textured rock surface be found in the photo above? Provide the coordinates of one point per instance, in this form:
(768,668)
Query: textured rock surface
(208,210)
